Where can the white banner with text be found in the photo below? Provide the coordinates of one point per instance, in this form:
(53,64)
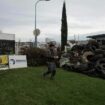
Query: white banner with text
(17,61)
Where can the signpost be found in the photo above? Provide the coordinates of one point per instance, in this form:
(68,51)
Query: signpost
(36,32)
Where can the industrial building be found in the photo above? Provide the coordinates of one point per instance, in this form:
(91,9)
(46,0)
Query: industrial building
(7,43)
(99,38)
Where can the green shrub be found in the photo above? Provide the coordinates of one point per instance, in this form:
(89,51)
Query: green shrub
(35,56)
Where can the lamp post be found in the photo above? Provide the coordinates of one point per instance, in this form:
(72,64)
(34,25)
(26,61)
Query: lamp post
(37,31)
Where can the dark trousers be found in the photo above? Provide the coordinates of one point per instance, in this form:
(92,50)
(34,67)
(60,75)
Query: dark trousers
(51,69)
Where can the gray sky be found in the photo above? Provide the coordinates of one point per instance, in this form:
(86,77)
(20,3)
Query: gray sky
(83,16)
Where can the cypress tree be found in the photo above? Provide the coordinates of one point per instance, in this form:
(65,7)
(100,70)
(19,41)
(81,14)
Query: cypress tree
(64,27)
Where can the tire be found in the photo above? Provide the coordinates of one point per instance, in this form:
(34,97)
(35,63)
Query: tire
(100,65)
(87,56)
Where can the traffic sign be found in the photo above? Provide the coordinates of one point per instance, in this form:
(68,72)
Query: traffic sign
(36,32)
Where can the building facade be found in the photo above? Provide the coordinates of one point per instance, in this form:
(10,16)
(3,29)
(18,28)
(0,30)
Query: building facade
(7,43)
(99,38)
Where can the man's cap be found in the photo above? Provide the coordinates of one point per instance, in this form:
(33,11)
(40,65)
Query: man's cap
(51,45)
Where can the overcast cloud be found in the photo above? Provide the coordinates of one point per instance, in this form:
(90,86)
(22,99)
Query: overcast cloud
(84,16)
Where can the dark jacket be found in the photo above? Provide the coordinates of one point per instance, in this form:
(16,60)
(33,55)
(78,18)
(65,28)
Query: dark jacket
(50,55)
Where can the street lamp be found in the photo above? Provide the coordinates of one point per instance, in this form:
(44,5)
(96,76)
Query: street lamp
(37,31)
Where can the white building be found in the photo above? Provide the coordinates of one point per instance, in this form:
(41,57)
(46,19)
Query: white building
(7,43)
(20,45)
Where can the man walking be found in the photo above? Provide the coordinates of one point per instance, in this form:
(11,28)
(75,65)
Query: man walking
(51,58)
